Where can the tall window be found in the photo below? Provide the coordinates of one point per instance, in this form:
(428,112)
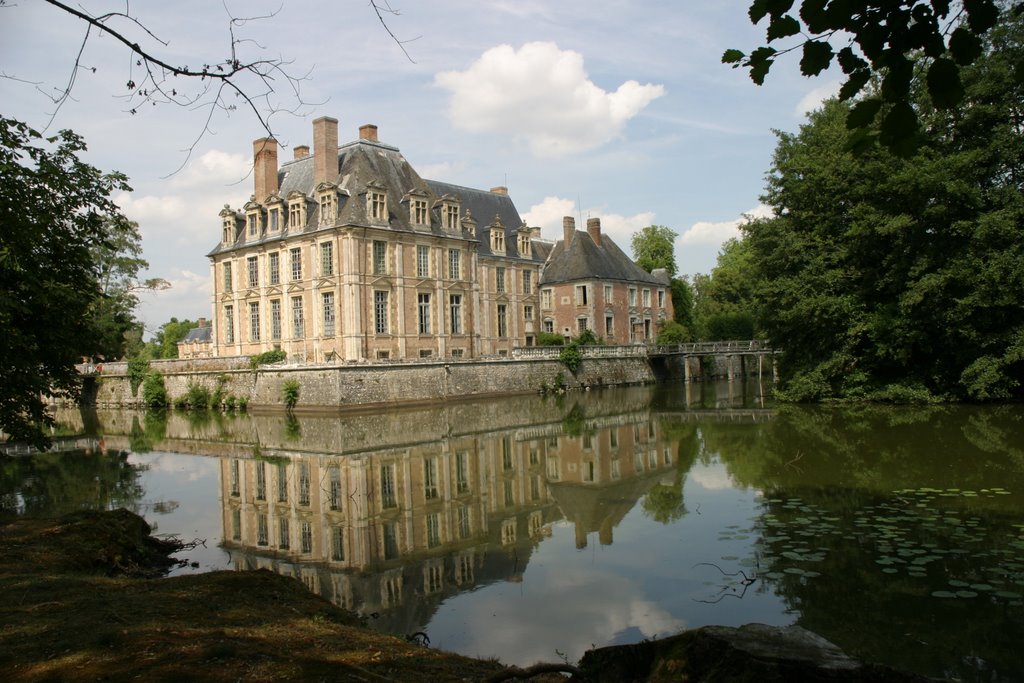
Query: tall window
(261,529)
(380,312)
(298,324)
(423,307)
(306,537)
(454,264)
(380,257)
(274,218)
(328,300)
(430,478)
(229,324)
(284,541)
(455,307)
(295,213)
(632,296)
(451,215)
(462,472)
(274,266)
(303,483)
(227,276)
(607,294)
(254,224)
(498,241)
(377,205)
(502,321)
(295,255)
(528,312)
(282,482)
(581,325)
(419,211)
(545,299)
(581,295)
(254,321)
(338,543)
(388,498)
(499,280)
(422,261)
(527,282)
(254,272)
(661,298)
(275,318)
(609,327)
(335,490)
(326,258)
(328,207)
(261,480)
(647,297)
(433,530)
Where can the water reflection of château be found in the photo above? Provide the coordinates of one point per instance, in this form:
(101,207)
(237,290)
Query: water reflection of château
(396,530)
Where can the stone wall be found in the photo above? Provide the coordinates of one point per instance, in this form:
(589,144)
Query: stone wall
(343,386)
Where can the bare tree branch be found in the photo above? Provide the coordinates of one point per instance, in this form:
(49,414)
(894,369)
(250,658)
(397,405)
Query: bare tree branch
(383,6)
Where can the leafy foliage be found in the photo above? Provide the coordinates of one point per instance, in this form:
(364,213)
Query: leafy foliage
(682,302)
(165,341)
(137,369)
(154,392)
(724,300)
(290,393)
(571,357)
(885,277)
(894,41)
(267,357)
(672,333)
(56,212)
(550,339)
(654,247)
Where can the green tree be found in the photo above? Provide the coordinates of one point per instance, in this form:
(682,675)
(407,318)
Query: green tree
(654,247)
(724,300)
(55,211)
(877,274)
(682,302)
(165,342)
(895,41)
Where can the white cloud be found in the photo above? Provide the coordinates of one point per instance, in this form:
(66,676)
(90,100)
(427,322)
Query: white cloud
(187,297)
(549,213)
(815,97)
(712,477)
(541,94)
(714,234)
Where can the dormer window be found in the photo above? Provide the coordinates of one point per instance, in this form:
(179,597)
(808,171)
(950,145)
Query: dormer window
(328,206)
(497,236)
(253,221)
(376,202)
(450,213)
(275,213)
(296,211)
(228,225)
(418,212)
(524,245)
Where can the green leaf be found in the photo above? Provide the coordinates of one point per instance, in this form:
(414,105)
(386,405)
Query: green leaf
(964,46)
(850,61)
(817,57)
(863,113)
(941,7)
(813,14)
(732,56)
(758,8)
(760,62)
(896,82)
(944,84)
(854,84)
(783,27)
(981,14)
(899,127)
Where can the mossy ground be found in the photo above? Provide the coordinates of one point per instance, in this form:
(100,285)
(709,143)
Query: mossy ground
(78,602)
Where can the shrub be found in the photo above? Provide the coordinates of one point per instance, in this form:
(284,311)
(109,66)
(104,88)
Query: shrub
(138,368)
(571,357)
(243,403)
(154,393)
(549,339)
(290,393)
(267,357)
(588,338)
(198,397)
(229,402)
(672,333)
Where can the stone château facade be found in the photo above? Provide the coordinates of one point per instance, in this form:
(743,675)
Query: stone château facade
(348,254)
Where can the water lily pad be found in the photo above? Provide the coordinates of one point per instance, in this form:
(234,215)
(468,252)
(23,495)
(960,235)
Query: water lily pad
(943,594)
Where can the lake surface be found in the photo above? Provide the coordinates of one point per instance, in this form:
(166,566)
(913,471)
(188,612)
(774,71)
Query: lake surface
(534,529)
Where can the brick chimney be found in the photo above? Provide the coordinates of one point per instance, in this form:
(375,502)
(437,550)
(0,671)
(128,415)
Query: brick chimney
(201,322)
(594,230)
(568,229)
(301,151)
(264,161)
(535,233)
(368,132)
(500,189)
(325,150)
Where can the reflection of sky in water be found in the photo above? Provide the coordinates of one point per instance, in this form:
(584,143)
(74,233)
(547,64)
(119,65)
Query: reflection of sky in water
(647,583)
(193,483)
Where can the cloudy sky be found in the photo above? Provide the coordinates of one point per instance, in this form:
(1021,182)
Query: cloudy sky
(607,108)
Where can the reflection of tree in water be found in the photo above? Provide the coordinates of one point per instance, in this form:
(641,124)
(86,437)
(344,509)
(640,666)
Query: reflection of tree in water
(58,483)
(150,432)
(848,516)
(664,502)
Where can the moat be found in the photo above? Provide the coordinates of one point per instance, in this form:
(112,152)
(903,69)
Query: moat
(535,528)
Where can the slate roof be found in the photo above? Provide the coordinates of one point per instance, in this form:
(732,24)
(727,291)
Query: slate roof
(585,260)
(199,334)
(363,162)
